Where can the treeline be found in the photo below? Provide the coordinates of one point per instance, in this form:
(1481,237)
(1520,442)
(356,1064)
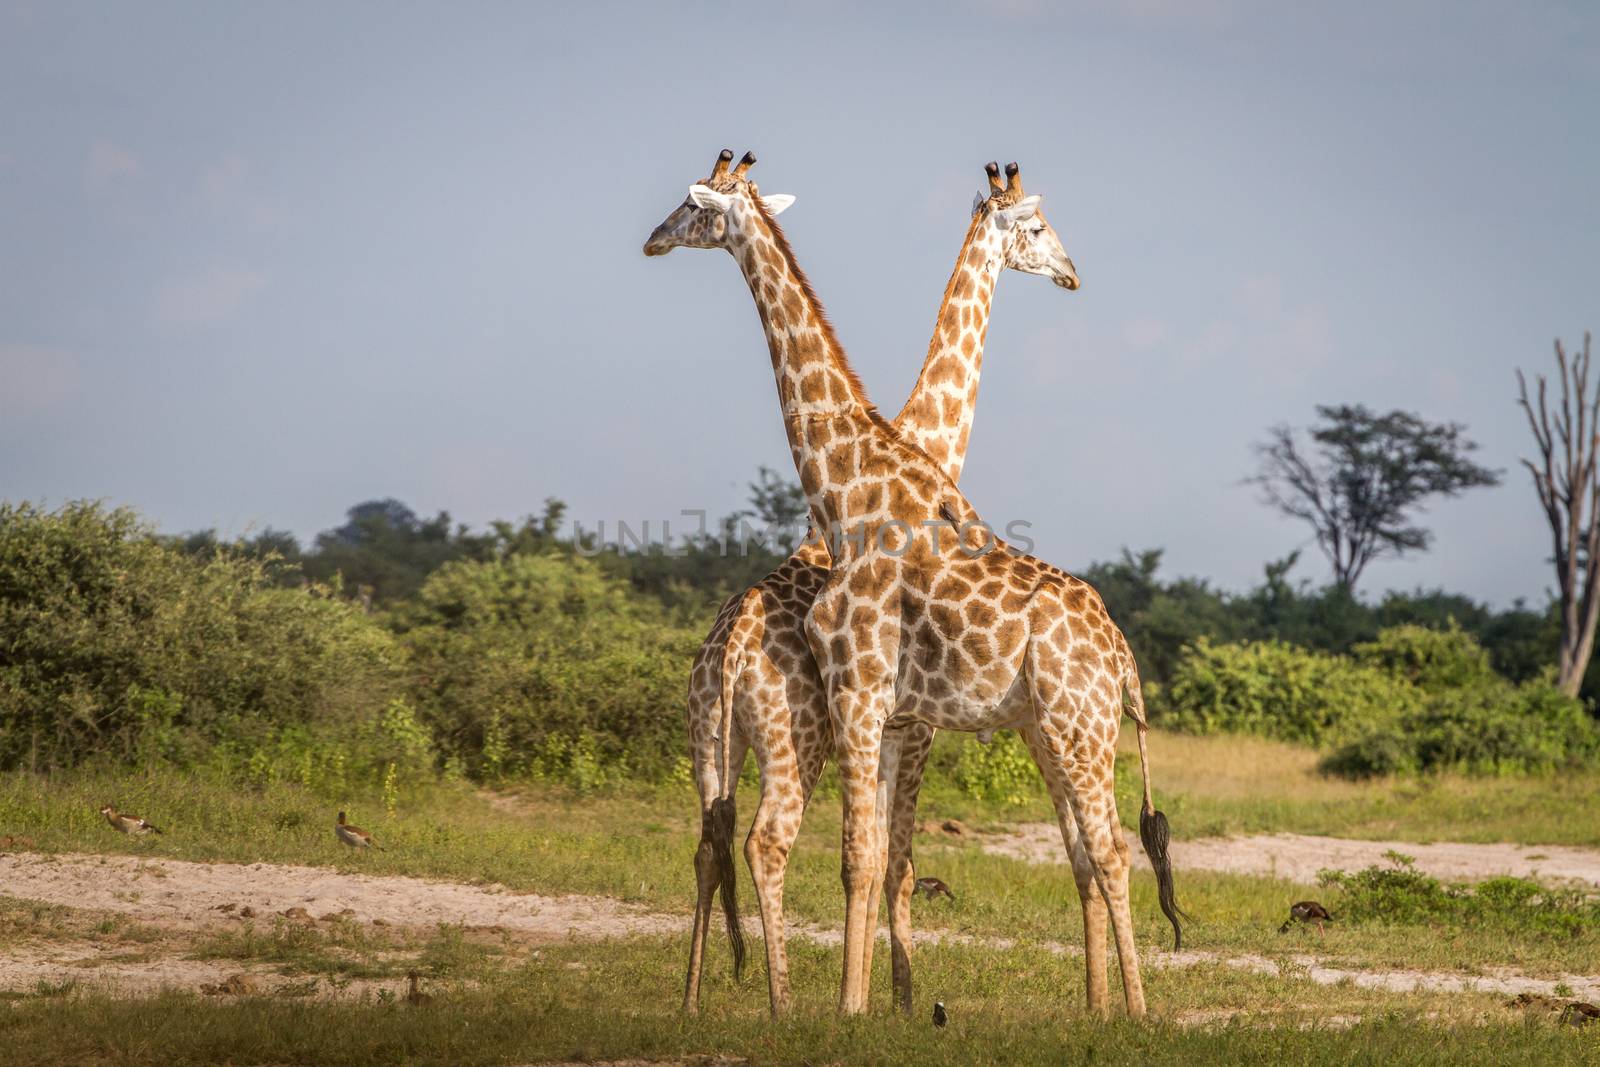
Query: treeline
(385,551)
(399,645)
(1163,616)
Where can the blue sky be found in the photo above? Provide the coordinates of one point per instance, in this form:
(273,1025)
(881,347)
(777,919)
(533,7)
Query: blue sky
(262,262)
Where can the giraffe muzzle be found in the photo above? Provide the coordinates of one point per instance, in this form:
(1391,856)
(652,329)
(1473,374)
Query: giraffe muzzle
(1068,278)
(657,244)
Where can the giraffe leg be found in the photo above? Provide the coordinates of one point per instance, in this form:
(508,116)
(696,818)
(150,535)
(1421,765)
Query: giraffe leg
(706,878)
(708,870)
(1090,769)
(888,779)
(772,835)
(901,877)
(857,738)
(1089,896)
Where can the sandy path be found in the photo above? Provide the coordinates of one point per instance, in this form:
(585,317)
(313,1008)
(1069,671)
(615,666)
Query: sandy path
(1299,856)
(176,891)
(179,893)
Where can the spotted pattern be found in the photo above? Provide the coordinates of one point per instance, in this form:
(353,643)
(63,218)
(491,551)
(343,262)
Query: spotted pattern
(899,643)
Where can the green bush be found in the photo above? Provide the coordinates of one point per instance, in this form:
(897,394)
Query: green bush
(115,644)
(1401,894)
(542,665)
(1411,700)
(1001,772)
(1429,659)
(1276,690)
(1499,728)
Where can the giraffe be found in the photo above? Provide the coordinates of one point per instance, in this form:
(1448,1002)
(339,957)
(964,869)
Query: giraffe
(916,622)
(756,653)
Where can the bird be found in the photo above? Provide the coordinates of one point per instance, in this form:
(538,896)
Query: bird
(416,997)
(1579,1013)
(354,836)
(129,824)
(940,1016)
(932,888)
(1306,911)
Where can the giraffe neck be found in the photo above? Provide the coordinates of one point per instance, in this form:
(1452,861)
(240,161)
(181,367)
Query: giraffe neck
(822,400)
(937,417)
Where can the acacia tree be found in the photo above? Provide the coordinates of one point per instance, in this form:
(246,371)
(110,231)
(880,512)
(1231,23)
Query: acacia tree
(1569,490)
(1360,479)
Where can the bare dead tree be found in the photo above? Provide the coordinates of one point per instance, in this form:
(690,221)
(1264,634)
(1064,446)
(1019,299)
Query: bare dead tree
(1566,479)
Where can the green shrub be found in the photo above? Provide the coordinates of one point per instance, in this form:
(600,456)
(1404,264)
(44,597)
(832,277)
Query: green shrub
(1499,728)
(1374,752)
(541,664)
(1492,727)
(1401,894)
(1276,690)
(1001,772)
(1411,700)
(115,644)
(1429,659)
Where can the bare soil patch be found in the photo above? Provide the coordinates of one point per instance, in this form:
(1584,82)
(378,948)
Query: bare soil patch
(192,895)
(1299,857)
(178,892)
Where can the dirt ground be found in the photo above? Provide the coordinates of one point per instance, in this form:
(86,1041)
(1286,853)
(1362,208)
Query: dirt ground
(179,892)
(1299,856)
(180,895)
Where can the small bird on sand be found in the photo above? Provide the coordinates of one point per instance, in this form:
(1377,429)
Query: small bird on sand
(1307,911)
(354,836)
(940,1017)
(416,997)
(932,888)
(129,824)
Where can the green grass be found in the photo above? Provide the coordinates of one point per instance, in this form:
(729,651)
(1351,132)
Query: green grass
(636,844)
(502,1001)
(581,1002)
(1223,785)
(347,950)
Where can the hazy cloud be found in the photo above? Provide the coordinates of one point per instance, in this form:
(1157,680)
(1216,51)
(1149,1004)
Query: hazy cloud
(35,380)
(1265,332)
(1177,12)
(1144,332)
(208,297)
(231,188)
(108,164)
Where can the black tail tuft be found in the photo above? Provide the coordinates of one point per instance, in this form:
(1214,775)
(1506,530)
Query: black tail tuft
(722,819)
(1156,836)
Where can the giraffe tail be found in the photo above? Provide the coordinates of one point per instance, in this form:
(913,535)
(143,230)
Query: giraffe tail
(722,809)
(1154,832)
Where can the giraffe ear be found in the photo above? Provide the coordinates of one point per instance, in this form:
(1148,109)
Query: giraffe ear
(707,197)
(977,201)
(1021,211)
(777,203)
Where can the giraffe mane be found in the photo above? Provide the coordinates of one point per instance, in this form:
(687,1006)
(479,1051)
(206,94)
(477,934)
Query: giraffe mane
(857,389)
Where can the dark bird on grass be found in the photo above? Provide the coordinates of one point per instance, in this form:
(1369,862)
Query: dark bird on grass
(1580,1013)
(354,836)
(939,1015)
(416,997)
(1307,911)
(129,824)
(933,889)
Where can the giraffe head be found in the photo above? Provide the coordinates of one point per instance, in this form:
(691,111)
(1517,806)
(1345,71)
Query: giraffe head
(715,209)
(1015,229)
